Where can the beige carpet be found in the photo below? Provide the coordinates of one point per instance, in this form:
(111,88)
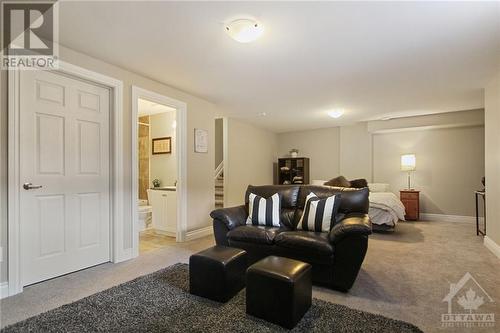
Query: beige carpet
(405,276)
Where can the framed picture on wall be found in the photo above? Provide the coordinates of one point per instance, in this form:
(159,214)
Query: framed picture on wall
(162,145)
(200,140)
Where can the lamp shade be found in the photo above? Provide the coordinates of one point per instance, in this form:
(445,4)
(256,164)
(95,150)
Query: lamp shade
(408,162)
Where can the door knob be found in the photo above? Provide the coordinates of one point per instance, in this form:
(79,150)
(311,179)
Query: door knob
(29,186)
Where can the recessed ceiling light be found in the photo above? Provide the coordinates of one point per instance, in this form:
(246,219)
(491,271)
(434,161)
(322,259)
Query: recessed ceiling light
(244,30)
(337,113)
(262,114)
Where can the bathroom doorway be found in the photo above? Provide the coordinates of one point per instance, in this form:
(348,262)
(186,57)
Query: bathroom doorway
(157,175)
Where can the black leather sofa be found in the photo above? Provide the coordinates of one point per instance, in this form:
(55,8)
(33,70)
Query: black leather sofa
(336,257)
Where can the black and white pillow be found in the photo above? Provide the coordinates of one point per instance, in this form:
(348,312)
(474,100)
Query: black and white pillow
(319,214)
(262,211)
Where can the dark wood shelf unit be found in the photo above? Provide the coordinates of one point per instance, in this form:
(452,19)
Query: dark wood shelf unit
(293,170)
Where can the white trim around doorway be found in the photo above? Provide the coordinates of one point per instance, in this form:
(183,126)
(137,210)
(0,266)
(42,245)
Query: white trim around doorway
(118,253)
(181,147)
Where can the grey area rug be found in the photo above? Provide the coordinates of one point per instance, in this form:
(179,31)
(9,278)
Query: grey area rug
(160,302)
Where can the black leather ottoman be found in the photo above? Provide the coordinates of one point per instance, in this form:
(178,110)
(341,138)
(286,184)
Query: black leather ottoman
(217,273)
(279,290)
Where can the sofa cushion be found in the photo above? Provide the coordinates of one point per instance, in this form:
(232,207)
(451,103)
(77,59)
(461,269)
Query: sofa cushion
(305,242)
(264,211)
(289,196)
(319,214)
(359,183)
(289,193)
(352,200)
(254,234)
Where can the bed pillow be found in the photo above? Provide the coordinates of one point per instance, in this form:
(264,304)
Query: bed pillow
(339,181)
(359,183)
(319,214)
(262,211)
(378,187)
(318,182)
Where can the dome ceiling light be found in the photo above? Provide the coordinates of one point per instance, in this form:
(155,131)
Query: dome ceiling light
(244,30)
(337,113)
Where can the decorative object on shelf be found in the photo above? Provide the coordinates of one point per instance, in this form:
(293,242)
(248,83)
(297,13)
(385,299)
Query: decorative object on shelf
(408,163)
(162,145)
(156,182)
(200,140)
(294,153)
(411,201)
(293,170)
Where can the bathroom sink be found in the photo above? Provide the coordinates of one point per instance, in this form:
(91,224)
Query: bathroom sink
(164,188)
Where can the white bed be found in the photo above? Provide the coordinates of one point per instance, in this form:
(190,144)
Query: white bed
(386,210)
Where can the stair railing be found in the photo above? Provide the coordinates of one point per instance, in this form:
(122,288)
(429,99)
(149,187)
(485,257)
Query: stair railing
(219,170)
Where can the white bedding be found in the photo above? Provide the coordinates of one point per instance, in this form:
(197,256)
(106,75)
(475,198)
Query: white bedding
(385,208)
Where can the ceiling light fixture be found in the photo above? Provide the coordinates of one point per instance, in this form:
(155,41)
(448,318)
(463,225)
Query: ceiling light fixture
(337,113)
(244,30)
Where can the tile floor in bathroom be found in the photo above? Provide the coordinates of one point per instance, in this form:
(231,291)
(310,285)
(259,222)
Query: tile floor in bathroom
(150,241)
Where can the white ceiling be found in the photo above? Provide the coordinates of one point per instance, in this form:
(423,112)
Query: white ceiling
(147,108)
(375,60)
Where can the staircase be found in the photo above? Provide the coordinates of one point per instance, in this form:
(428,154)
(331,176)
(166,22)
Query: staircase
(219,186)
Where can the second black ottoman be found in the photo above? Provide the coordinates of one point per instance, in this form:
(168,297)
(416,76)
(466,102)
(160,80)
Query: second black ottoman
(217,273)
(279,290)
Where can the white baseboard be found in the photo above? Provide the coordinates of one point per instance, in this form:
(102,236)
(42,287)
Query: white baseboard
(164,232)
(492,246)
(447,218)
(4,290)
(198,233)
(123,255)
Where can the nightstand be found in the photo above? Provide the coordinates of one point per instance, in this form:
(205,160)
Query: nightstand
(411,201)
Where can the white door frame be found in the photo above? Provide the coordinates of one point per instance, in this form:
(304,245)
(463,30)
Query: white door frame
(118,253)
(180,146)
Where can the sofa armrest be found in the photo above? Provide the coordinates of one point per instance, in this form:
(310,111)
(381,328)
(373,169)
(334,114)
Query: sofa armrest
(352,224)
(231,217)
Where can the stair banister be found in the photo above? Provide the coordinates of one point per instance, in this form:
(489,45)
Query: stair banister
(219,170)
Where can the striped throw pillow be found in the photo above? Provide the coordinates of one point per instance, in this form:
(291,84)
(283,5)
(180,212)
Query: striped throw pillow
(319,214)
(262,211)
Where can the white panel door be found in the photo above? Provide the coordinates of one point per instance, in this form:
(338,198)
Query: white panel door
(64,148)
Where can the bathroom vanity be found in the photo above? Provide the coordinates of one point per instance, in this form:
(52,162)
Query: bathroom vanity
(164,202)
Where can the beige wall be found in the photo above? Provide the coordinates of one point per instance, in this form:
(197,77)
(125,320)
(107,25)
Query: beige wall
(219,142)
(200,114)
(163,166)
(355,156)
(450,164)
(492,124)
(322,146)
(249,159)
(3,173)
(449,148)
